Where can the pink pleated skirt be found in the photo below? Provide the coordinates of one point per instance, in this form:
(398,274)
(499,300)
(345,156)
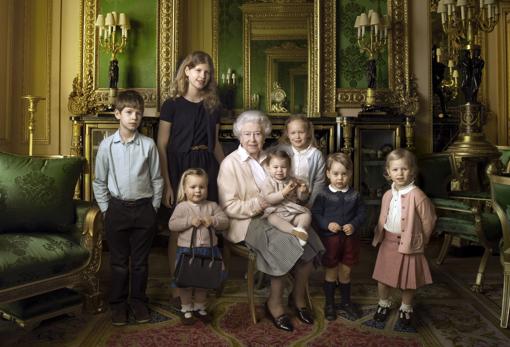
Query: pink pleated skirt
(397,270)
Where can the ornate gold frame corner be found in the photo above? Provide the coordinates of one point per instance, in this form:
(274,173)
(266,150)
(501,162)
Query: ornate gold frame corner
(167,50)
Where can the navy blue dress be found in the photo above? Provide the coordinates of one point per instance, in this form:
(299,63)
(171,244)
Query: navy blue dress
(192,125)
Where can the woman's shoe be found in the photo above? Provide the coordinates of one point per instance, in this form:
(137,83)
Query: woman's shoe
(303,314)
(281,322)
(330,312)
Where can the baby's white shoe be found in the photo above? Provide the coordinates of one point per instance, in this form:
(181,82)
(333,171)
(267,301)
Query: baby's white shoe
(301,230)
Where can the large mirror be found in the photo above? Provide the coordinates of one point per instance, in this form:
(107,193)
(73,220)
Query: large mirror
(279,66)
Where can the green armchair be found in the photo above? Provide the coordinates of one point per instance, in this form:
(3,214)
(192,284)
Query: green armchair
(460,214)
(48,241)
(500,194)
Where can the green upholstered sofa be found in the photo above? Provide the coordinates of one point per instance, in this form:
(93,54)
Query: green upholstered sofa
(48,241)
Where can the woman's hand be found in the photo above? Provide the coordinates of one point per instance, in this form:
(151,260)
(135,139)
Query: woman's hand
(168,196)
(334,227)
(263,203)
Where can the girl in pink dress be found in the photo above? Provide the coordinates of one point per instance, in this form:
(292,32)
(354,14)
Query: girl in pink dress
(405,224)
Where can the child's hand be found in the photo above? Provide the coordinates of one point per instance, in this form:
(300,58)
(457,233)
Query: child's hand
(334,227)
(289,188)
(195,221)
(207,221)
(348,229)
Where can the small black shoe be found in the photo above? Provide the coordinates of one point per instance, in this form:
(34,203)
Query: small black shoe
(381,314)
(349,308)
(140,312)
(187,318)
(203,315)
(404,318)
(119,315)
(281,322)
(330,312)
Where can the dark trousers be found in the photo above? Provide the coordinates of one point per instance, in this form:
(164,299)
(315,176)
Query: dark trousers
(130,229)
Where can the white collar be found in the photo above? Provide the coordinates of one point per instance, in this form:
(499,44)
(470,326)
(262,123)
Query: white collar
(245,156)
(336,190)
(301,152)
(403,190)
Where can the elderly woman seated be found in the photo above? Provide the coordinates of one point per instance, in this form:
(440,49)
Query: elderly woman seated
(240,179)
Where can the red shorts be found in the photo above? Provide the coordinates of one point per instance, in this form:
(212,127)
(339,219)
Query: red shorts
(341,249)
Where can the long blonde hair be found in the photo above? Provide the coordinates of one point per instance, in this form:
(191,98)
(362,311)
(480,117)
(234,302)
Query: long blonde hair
(181,196)
(179,86)
(284,139)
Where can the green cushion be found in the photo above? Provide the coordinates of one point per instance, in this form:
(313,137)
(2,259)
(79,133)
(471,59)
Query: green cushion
(36,194)
(450,203)
(465,227)
(28,257)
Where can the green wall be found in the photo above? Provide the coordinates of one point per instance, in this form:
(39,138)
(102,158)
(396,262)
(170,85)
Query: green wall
(138,62)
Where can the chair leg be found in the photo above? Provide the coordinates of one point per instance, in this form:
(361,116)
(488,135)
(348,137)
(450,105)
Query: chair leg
(444,249)
(478,286)
(227,254)
(505,304)
(251,292)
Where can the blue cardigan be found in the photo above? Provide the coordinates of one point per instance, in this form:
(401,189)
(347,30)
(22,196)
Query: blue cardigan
(342,208)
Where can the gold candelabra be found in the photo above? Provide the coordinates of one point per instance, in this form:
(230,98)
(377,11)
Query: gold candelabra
(107,27)
(463,21)
(372,39)
(32,105)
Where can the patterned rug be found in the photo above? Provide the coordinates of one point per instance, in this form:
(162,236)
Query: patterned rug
(446,315)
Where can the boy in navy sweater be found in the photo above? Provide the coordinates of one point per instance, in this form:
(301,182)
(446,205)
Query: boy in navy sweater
(337,214)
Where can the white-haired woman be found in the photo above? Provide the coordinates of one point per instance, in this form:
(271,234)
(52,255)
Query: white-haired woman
(239,180)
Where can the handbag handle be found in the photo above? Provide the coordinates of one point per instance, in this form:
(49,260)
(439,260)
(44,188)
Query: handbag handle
(192,242)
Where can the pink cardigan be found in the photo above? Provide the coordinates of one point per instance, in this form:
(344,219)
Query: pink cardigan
(238,194)
(180,222)
(418,218)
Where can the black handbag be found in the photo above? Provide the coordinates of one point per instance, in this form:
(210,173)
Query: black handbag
(198,271)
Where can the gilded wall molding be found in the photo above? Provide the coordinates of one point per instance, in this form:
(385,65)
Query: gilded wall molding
(398,59)
(328,56)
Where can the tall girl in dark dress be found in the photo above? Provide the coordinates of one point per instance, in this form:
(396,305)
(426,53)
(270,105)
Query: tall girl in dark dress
(189,125)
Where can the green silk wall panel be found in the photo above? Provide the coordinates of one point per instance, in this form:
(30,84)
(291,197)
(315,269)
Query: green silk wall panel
(351,64)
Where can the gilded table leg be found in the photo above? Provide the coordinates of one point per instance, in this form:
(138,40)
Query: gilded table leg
(444,248)
(478,286)
(505,304)
(251,289)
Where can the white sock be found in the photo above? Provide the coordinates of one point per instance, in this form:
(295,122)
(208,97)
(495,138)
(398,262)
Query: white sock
(406,308)
(384,303)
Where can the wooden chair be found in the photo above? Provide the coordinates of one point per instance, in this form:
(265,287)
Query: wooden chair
(242,251)
(460,214)
(500,194)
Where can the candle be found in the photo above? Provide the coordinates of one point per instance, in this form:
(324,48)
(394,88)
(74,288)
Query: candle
(223,78)
(233,78)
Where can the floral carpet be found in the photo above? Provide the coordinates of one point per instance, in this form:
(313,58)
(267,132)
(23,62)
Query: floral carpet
(445,315)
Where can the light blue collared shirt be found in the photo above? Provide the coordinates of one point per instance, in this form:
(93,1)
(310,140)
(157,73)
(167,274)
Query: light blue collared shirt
(127,171)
